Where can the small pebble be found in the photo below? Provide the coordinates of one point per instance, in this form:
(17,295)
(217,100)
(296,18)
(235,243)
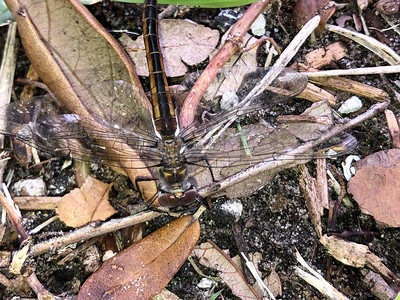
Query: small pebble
(350,105)
(233,207)
(258,27)
(30,187)
(228,100)
(205,283)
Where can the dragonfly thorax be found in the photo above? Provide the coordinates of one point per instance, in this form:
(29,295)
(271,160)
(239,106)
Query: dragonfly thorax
(171,152)
(173,165)
(175,188)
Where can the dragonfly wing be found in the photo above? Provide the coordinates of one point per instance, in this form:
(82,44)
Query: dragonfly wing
(249,84)
(119,104)
(254,88)
(41,125)
(278,148)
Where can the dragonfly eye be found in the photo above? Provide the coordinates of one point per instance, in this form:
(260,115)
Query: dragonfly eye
(170,200)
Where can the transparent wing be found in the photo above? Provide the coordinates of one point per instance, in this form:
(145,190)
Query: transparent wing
(118,104)
(211,144)
(41,125)
(121,126)
(242,91)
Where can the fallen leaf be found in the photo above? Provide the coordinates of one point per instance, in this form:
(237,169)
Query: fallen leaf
(213,257)
(387,7)
(165,295)
(85,205)
(376,188)
(273,282)
(304,10)
(143,269)
(182,43)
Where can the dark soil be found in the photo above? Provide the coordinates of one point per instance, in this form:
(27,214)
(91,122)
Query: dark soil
(274,220)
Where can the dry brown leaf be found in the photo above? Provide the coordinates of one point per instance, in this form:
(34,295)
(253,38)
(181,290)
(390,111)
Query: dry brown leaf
(165,295)
(376,187)
(85,205)
(273,282)
(211,256)
(304,10)
(182,43)
(387,7)
(143,269)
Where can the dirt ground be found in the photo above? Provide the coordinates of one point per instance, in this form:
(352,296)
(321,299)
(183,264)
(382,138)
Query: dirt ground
(274,221)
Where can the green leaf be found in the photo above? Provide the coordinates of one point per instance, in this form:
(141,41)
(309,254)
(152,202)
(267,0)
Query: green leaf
(200,3)
(215,296)
(5,14)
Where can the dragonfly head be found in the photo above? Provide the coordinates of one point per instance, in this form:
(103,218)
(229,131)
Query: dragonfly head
(177,197)
(176,188)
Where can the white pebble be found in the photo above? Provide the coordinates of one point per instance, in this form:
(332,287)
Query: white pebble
(234,208)
(258,27)
(228,100)
(30,187)
(205,283)
(350,105)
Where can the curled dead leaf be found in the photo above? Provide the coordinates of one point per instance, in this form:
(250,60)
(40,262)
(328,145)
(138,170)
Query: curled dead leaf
(376,188)
(182,42)
(212,256)
(304,10)
(143,269)
(85,205)
(356,255)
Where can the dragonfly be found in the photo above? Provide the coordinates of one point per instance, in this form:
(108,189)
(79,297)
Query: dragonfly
(173,154)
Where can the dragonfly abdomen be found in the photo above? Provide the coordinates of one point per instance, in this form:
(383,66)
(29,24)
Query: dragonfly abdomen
(163,107)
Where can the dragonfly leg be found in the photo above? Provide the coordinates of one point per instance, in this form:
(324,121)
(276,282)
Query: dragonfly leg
(144,179)
(211,171)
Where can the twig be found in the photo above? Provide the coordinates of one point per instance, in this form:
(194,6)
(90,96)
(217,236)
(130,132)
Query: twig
(7,70)
(14,214)
(38,288)
(393,126)
(37,203)
(91,230)
(43,225)
(316,280)
(259,281)
(380,49)
(357,71)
